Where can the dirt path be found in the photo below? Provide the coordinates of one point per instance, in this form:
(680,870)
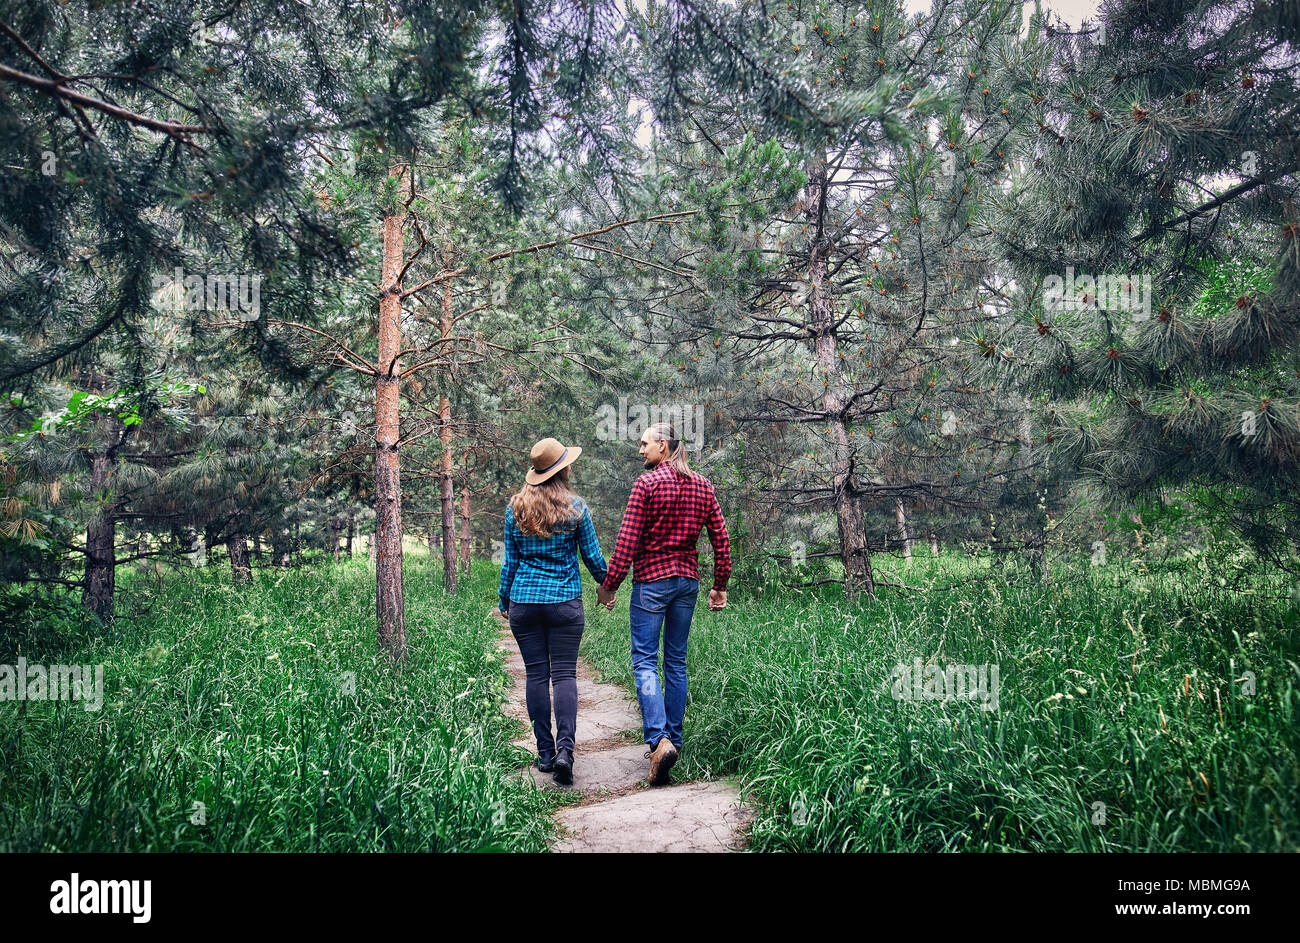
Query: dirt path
(618,810)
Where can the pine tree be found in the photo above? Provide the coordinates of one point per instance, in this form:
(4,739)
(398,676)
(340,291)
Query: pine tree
(1153,240)
(142,146)
(828,317)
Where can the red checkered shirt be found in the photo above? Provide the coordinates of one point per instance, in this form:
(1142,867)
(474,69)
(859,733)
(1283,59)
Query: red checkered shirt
(661,527)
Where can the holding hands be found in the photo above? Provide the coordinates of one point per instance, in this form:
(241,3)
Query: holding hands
(605,597)
(717,598)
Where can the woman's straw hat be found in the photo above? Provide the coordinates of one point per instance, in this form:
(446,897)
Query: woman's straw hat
(548,457)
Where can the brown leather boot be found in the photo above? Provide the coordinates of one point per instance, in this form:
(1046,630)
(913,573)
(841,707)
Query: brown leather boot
(662,758)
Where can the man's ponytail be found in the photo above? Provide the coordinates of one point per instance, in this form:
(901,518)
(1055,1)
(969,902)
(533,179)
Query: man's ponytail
(664,432)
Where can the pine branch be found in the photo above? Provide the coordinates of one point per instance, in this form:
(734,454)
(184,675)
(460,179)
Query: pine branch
(56,89)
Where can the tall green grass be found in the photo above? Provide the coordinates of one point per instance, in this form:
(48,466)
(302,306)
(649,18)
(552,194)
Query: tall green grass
(1122,723)
(1121,690)
(237,698)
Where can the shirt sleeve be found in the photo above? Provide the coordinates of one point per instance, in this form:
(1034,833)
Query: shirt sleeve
(509,565)
(717,527)
(629,537)
(589,547)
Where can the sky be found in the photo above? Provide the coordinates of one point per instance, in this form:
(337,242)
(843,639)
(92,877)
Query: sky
(1073,12)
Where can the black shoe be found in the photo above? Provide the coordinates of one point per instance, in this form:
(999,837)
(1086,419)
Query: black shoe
(545,764)
(564,767)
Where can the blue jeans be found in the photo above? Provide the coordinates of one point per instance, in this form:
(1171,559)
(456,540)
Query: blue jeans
(666,605)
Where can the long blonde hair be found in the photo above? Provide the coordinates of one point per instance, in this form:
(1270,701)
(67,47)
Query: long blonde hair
(540,509)
(664,432)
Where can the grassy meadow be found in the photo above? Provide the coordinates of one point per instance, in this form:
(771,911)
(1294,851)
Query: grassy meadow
(1124,719)
(1115,689)
(238,698)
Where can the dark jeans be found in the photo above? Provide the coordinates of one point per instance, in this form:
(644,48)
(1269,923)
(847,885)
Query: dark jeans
(548,635)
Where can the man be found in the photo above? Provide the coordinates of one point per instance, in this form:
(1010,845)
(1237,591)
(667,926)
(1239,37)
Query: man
(661,526)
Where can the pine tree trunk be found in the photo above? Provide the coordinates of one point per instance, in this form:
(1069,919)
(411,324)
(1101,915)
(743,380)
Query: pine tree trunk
(211,535)
(1036,540)
(449,583)
(390,605)
(237,548)
(902,529)
(257,548)
(466,547)
(821,315)
(433,539)
(336,525)
(280,547)
(352,529)
(101,535)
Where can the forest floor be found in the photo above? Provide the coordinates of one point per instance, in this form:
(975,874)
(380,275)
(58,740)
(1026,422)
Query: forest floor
(615,808)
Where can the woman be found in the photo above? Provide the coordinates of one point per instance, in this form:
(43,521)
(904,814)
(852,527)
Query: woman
(547,527)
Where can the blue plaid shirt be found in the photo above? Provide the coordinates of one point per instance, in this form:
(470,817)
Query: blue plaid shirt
(545,569)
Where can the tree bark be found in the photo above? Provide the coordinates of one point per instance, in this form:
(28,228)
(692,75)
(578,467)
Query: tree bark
(449,583)
(903,535)
(390,605)
(237,548)
(211,535)
(902,530)
(352,527)
(280,547)
(100,578)
(466,545)
(1036,539)
(821,316)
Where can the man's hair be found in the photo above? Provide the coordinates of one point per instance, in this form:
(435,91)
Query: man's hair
(542,509)
(664,432)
